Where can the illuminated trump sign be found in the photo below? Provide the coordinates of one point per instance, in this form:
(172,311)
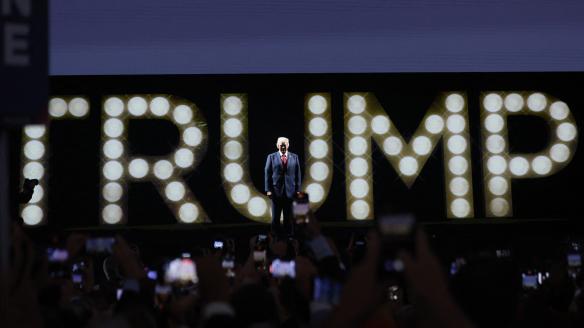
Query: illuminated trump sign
(365,122)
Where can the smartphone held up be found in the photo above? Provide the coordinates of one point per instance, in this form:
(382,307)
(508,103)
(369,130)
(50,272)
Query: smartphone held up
(397,233)
(300,208)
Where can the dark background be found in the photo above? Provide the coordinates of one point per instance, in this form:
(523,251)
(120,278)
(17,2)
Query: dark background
(275,108)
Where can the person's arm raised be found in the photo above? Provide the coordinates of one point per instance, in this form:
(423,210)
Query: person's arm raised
(18,293)
(362,293)
(424,275)
(128,260)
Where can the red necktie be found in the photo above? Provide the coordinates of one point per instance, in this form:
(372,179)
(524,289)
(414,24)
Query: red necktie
(284,161)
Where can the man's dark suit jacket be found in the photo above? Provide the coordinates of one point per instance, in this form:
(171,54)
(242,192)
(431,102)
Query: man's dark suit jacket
(280,183)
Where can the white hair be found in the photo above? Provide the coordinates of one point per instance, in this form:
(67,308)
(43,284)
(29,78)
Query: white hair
(284,139)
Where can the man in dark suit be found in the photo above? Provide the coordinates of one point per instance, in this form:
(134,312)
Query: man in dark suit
(282,181)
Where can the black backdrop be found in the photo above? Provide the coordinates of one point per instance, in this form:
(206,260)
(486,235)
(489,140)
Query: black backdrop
(275,107)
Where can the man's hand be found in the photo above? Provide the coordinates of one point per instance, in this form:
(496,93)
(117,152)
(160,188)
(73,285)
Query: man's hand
(75,243)
(362,293)
(312,227)
(30,183)
(423,272)
(213,285)
(127,259)
(269,194)
(426,279)
(27,190)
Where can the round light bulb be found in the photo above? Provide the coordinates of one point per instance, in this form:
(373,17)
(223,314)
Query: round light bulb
(182,114)
(319,171)
(541,165)
(233,150)
(138,168)
(455,123)
(317,104)
(493,102)
(360,209)
(240,194)
(356,104)
(392,146)
(232,127)
(456,144)
(159,106)
(434,124)
(358,167)
(519,166)
(494,123)
(114,106)
(358,146)
(422,145)
(498,186)
(454,103)
(536,102)
(380,124)
(497,165)
(357,125)
(175,191)
(514,102)
(137,106)
(408,166)
(460,208)
(317,126)
(232,105)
